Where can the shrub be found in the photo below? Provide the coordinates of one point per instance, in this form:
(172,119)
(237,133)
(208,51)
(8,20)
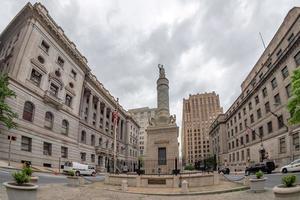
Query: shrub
(189,167)
(259,174)
(21,177)
(289,180)
(71,173)
(27,171)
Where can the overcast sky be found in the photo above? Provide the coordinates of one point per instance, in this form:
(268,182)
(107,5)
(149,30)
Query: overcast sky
(205,45)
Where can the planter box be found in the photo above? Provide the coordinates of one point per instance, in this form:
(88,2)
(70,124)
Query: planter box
(257,185)
(25,192)
(290,193)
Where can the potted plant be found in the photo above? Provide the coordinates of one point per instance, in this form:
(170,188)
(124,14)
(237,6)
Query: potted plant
(28,171)
(21,188)
(72,179)
(258,184)
(288,190)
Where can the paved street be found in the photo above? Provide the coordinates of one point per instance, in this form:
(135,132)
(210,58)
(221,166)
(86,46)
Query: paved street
(273,179)
(44,178)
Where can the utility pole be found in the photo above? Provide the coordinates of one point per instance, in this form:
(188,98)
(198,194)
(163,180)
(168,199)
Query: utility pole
(9,150)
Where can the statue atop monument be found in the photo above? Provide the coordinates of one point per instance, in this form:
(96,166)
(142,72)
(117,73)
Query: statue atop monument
(162,73)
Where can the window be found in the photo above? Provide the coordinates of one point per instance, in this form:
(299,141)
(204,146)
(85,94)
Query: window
(26,144)
(270,127)
(261,131)
(60,61)
(296,142)
(232,144)
(64,152)
(53,90)
(291,37)
(162,156)
(83,156)
(242,140)
(285,72)
(253,135)
(28,111)
(277,100)
(264,92)
(239,115)
(93,141)
(241,126)
(259,113)
(282,145)
(36,77)
(83,136)
(48,120)
(92,157)
(288,90)
(237,142)
(245,121)
(45,46)
(229,146)
(280,122)
(267,107)
(247,138)
(243,155)
(274,83)
(47,149)
(244,111)
(68,100)
(297,59)
(248,154)
(73,74)
(237,156)
(65,127)
(251,118)
(256,100)
(250,106)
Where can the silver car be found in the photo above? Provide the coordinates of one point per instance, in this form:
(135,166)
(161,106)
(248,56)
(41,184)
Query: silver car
(292,167)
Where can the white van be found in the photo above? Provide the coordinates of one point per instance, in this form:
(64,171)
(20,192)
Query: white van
(79,169)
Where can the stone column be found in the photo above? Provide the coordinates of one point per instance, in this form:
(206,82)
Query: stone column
(98,115)
(104,117)
(90,109)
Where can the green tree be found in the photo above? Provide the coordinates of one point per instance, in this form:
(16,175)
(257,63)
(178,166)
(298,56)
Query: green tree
(6,114)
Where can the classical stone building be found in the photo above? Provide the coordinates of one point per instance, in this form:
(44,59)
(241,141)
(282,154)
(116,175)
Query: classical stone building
(199,111)
(64,112)
(256,123)
(142,117)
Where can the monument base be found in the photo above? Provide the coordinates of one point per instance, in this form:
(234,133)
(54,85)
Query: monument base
(162,149)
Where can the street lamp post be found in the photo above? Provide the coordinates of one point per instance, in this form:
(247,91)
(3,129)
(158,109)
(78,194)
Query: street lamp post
(262,150)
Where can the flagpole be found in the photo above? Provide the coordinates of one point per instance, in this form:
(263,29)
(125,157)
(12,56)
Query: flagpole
(115,136)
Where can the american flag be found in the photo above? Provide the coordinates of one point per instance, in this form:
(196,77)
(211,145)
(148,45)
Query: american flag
(115,116)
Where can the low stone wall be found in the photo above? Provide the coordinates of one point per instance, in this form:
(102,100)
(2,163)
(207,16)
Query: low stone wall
(163,181)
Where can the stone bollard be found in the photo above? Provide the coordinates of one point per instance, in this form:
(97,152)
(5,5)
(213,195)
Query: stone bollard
(124,185)
(216,178)
(246,181)
(138,181)
(106,180)
(184,187)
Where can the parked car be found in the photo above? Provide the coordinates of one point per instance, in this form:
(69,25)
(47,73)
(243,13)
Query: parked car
(79,169)
(266,167)
(224,170)
(292,167)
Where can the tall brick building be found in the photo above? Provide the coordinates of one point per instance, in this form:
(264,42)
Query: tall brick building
(199,111)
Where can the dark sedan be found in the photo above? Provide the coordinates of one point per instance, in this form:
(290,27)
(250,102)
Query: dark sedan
(266,167)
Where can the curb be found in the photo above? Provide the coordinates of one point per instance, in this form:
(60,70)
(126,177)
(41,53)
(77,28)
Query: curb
(187,194)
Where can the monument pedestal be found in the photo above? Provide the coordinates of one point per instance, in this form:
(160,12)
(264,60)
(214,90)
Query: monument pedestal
(162,149)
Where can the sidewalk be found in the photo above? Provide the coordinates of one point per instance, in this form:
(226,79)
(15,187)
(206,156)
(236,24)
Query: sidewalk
(19,166)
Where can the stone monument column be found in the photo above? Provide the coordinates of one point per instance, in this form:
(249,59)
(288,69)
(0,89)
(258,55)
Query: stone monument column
(162,112)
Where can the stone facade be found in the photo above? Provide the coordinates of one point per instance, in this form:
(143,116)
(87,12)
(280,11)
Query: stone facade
(64,112)
(260,110)
(199,111)
(142,117)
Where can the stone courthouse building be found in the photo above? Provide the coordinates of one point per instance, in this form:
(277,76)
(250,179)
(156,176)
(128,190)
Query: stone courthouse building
(257,121)
(64,112)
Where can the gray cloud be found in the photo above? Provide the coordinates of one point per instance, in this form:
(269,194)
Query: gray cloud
(205,45)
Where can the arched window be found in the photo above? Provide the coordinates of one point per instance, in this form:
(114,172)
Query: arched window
(65,127)
(28,111)
(100,141)
(49,120)
(83,136)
